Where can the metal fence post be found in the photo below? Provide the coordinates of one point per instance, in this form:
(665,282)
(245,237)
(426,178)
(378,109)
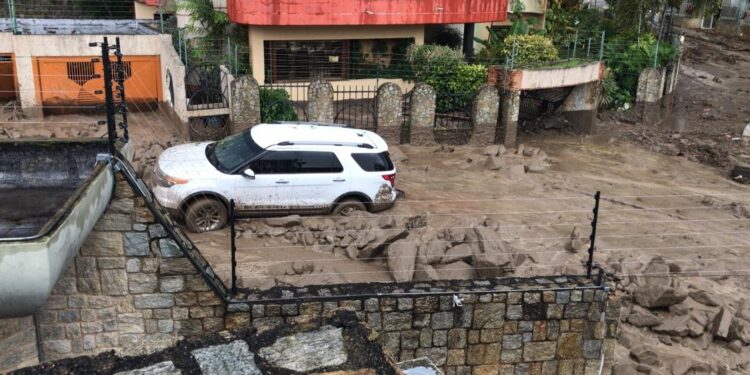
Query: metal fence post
(120,79)
(656,54)
(233,245)
(12,13)
(108,97)
(161,17)
(575,44)
(601,47)
(592,238)
(588,49)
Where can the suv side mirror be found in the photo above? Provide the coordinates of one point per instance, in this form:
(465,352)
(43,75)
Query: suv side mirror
(249,173)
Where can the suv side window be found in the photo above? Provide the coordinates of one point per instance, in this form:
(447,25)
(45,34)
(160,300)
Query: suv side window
(276,162)
(371,162)
(318,162)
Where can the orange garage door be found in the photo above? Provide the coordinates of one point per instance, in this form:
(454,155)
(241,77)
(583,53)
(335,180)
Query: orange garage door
(64,82)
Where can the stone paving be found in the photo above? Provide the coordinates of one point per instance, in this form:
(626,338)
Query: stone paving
(227,359)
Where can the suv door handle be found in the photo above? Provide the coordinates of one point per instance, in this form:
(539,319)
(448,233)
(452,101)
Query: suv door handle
(339,179)
(282,181)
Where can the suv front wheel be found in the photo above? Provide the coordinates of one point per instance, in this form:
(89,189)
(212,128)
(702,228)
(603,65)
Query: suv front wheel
(206,214)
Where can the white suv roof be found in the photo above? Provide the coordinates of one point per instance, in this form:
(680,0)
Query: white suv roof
(266,135)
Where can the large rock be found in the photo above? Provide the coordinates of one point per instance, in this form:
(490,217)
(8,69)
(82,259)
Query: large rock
(234,358)
(382,240)
(493,163)
(680,326)
(286,221)
(460,252)
(425,272)
(704,297)
(740,330)
(455,271)
(496,258)
(161,368)
(307,351)
(722,322)
(645,355)
(396,154)
(432,252)
(653,296)
(641,317)
(402,255)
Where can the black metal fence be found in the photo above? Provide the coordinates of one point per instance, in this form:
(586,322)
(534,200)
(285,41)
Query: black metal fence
(453,123)
(356,106)
(206,87)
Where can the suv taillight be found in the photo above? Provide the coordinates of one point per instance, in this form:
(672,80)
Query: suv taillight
(390,178)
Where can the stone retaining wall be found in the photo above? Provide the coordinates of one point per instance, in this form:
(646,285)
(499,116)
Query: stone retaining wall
(128,289)
(522,326)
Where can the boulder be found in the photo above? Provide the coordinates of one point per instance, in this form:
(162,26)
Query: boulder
(455,271)
(722,322)
(536,166)
(396,154)
(402,256)
(674,326)
(493,163)
(645,355)
(432,252)
(492,150)
(641,317)
(496,258)
(702,296)
(286,221)
(382,240)
(515,171)
(425,272)
(744,309)
(740,330)
(460,252)
(578,242)
(653,296)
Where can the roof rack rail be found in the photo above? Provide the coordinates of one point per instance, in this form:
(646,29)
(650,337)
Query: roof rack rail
(311,123)
(316,143)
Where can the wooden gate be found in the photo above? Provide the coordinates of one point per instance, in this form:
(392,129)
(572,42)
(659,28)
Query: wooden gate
(76,82)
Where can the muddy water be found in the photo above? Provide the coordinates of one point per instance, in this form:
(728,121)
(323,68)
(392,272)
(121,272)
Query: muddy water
(24,211)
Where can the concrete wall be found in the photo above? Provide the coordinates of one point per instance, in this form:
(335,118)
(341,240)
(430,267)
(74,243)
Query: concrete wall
(258,34)
(545,78)
(27,47)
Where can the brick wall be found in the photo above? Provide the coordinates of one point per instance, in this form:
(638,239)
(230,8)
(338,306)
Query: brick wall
(547,326)
(128,289)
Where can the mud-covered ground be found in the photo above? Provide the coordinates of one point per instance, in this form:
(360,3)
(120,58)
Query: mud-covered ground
(672,226)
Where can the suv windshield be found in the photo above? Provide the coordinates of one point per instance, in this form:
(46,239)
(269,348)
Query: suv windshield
(231,152)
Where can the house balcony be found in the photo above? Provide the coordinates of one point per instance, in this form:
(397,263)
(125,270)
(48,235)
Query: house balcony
(364,12)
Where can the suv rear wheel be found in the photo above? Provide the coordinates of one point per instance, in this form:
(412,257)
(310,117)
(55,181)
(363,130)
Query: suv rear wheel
(347,206)
(206,214)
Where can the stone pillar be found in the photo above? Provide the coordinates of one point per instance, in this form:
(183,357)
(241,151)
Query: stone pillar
(422,115)
(484,111)
(649,93)
(245,112)
(320,101)
(509,121)
(580,107)
(390,115)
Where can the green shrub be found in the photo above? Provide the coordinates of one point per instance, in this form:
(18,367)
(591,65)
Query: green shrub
(276,105)
(430,61)
(529,49)
(612,96)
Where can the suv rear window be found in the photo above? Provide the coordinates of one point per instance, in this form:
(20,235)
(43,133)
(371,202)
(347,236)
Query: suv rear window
(374,162)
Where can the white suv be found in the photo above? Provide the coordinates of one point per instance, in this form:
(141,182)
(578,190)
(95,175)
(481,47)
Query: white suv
(276,169)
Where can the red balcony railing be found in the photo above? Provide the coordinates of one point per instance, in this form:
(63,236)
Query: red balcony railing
(365,12)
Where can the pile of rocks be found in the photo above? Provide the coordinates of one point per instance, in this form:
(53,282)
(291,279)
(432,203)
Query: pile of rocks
(680,315)
(410,252)
(515,162)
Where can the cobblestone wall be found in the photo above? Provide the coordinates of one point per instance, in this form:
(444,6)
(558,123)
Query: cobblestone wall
(245,104)
(128,289)
(548,326)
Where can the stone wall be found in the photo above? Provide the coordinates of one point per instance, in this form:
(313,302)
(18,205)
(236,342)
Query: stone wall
(17,343)
(518,326)
(129,289)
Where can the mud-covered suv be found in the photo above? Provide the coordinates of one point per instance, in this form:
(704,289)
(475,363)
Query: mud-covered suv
(276,169)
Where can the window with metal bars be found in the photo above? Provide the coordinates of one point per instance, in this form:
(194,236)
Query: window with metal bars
(306,60)
(80,72)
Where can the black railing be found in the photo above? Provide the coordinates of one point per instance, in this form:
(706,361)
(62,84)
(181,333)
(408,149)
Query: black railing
(355,106)
(453,124)
(206,87)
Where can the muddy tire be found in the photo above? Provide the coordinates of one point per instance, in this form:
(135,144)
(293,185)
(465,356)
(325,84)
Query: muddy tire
(347,206)
(206,214)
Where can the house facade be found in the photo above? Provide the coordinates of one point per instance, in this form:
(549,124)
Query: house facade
(297,41)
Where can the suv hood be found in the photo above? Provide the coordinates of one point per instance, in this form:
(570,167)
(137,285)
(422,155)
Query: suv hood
(187,161)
